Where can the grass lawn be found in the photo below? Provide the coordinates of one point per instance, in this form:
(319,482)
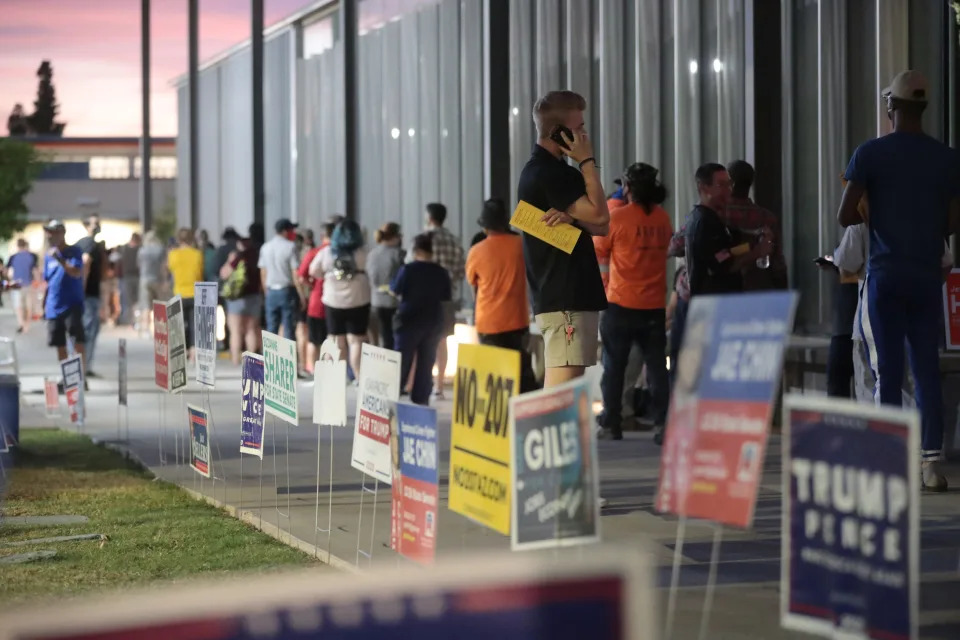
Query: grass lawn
(155,530)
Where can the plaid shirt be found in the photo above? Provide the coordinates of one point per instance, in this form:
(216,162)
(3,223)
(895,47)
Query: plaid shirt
(745,215)
(448,253)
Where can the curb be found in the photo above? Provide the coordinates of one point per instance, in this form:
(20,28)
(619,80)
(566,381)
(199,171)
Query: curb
(248,517)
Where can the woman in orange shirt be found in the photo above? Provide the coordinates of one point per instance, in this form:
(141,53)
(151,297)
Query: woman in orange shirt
(637,245)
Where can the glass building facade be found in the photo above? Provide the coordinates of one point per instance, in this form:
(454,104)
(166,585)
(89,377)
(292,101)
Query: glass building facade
(445,90)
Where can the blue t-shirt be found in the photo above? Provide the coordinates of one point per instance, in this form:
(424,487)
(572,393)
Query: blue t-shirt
(63,292)
(422,287)
(910,179)
(22,263)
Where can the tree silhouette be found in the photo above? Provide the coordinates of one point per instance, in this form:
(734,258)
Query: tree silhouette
(43,119)
(19,166)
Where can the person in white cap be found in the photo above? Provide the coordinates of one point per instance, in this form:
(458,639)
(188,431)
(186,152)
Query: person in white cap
(912,185)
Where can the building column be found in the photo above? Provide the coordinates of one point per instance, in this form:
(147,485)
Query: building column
(194,109)
(256,41)
(496,101)
(146,195)
(351,130)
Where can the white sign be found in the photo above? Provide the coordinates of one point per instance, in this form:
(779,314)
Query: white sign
(205,331)
(379,389)
(280,377)
(330,387)
(177,345)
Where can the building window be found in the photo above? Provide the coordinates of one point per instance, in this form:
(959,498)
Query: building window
(109,168)
(161,168)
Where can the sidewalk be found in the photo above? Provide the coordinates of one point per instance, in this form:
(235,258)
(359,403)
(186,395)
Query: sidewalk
(747,602)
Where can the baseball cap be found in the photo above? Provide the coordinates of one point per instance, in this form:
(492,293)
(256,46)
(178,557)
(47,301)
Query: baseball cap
(54,225)
(908,85)
(283,224)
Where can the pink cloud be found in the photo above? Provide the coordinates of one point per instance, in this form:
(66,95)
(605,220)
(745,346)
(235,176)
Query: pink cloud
(94,47)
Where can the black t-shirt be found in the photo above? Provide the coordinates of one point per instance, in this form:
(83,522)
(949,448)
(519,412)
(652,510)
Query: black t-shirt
(708,245)
(97,252)
(558,281)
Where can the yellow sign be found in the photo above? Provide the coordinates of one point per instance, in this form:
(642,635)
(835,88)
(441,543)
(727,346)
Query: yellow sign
(527,218)
(486,379)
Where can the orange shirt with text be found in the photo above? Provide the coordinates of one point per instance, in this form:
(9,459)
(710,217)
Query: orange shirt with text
(495,269)
(637,245)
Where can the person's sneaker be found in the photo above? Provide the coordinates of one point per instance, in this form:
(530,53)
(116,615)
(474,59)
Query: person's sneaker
(603,502)
(303,374)
(609,434)
(438,394)
(19,330)
(931,477)
(658,435)
(93,374)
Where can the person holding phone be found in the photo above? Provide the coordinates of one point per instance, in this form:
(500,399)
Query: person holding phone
(63,269)
(566,288)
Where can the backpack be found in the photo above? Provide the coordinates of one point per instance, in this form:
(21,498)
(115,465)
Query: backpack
(345,267)
(234,285)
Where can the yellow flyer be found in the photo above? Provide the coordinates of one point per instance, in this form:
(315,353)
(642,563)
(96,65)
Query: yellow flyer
(487,377)
(526,217)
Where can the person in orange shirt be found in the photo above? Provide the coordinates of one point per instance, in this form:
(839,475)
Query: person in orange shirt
(495,269)
(636,314)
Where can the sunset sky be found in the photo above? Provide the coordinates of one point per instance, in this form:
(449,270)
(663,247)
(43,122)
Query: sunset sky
(94,47)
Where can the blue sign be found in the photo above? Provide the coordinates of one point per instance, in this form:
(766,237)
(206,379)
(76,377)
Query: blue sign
(251,405)
(850,501)
(415,500)
(555,486)
(733,345)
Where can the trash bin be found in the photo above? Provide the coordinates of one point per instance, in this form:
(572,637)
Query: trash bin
(10,405)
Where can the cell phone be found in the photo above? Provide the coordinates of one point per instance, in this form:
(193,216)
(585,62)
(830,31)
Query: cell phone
(557,135)
(822,261)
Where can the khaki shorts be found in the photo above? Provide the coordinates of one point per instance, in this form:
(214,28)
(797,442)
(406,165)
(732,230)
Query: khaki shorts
(563,348)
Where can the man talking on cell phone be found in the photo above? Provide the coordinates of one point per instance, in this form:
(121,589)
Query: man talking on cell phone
(567,290)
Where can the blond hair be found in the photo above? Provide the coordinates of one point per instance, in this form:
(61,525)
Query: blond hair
(551,110)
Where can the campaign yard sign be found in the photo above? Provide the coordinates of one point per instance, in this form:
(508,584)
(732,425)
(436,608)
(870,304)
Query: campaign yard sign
(251,404)
(555,481)
(177,344)
(205,331)
(161,346)
(330,387)
(608,596)
(951,309)
(122,373)
(379,390)
(728,371)
(199,440)
(51,397)
(486,379)
(280,377)
(71,370)
(413,456)
(850,555)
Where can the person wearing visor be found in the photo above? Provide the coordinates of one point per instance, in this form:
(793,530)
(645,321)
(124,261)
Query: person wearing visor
(63,304)
(912,185)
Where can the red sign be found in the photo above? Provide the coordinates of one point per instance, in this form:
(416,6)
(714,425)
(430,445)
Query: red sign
(161,346)
(712,463)
(73,401)
(951,309)
(51,397)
